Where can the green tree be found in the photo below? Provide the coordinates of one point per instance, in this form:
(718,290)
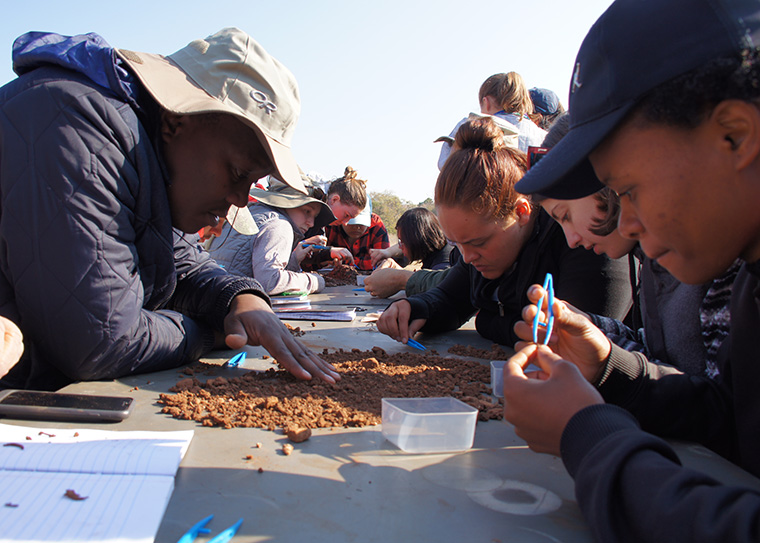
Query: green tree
(427,203)
(389,207)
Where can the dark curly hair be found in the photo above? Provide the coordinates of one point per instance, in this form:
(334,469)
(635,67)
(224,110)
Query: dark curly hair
(686,100)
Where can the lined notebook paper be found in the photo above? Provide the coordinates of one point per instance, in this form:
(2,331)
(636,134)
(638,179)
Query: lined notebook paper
(126,477)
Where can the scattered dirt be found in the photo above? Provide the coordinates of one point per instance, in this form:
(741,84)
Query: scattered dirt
(275,399)
(496,352)
(295,330)
(340,275)
(287,449)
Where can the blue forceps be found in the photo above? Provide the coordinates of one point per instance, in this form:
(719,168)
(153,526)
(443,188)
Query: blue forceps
(314,246)
(416,344)
(235,361)
(549,292)
(200,528)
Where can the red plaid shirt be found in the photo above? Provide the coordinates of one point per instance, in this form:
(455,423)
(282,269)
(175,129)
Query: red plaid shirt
(376,237)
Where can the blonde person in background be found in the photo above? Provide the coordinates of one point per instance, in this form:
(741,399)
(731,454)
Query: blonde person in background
(506,97)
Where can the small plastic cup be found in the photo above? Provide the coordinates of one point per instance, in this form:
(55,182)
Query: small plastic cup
(429,425)
(497,377)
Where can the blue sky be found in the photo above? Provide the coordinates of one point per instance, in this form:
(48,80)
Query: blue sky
(379,81)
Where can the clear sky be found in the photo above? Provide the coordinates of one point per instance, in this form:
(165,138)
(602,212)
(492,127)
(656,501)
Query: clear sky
(379,81)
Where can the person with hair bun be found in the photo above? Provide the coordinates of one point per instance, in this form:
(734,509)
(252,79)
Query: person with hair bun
(506,97)
(347,197)
(507,244)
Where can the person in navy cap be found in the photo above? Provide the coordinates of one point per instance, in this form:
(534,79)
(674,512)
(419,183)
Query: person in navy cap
(546,107)
(664,111)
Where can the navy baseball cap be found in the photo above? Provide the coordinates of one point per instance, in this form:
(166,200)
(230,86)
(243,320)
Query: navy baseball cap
(632,48)
(545,101)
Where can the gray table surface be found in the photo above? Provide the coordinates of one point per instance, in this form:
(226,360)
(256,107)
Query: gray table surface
(351,485)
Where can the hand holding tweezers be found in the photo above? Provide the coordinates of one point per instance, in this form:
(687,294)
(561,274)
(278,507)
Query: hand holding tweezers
(549,294)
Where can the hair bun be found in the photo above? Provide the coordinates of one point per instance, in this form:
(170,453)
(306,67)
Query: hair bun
(482,133)
(350,175)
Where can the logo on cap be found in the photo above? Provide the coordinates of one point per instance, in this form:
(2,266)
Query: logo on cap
(264,102)
(576,78)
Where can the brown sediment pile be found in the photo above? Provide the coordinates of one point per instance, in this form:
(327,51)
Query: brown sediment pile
(496,352)
(275,399)
(340,275)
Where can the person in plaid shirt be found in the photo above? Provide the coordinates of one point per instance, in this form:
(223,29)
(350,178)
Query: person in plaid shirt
(364,232)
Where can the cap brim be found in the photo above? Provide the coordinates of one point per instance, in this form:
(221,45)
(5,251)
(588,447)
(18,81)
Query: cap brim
(283,201)
(565,173)
(175,91)
(241,221)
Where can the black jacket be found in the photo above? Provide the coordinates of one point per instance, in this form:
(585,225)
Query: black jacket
(589,281)
(629,483)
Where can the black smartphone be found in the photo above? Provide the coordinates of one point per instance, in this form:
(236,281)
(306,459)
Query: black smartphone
(32,404)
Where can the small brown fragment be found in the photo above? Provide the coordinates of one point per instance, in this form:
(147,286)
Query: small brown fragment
(313,324)
(297,434)
(249,457)
(264,357)
(183,384)
(72,495)
(76,434)
(28,438)
(287,449)
(19,445)
(46,434)
(259,445)
(261,470)
(9,504)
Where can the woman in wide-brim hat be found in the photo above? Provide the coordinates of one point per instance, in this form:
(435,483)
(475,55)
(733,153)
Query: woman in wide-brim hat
(273,255)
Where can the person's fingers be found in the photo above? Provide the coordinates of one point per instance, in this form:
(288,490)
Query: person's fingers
(297,359)
(235,335)
(415,326)
(404,312)
(517,363)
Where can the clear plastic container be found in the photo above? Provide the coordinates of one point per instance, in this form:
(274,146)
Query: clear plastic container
(497,377)
(429,425)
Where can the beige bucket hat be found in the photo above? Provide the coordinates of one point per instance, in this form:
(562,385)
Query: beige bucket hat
(285,197)
(228,72)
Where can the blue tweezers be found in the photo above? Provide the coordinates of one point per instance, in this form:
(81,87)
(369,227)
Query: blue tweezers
(416,344)
(200,528)
(314,246)
(235,361)
(549,292)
